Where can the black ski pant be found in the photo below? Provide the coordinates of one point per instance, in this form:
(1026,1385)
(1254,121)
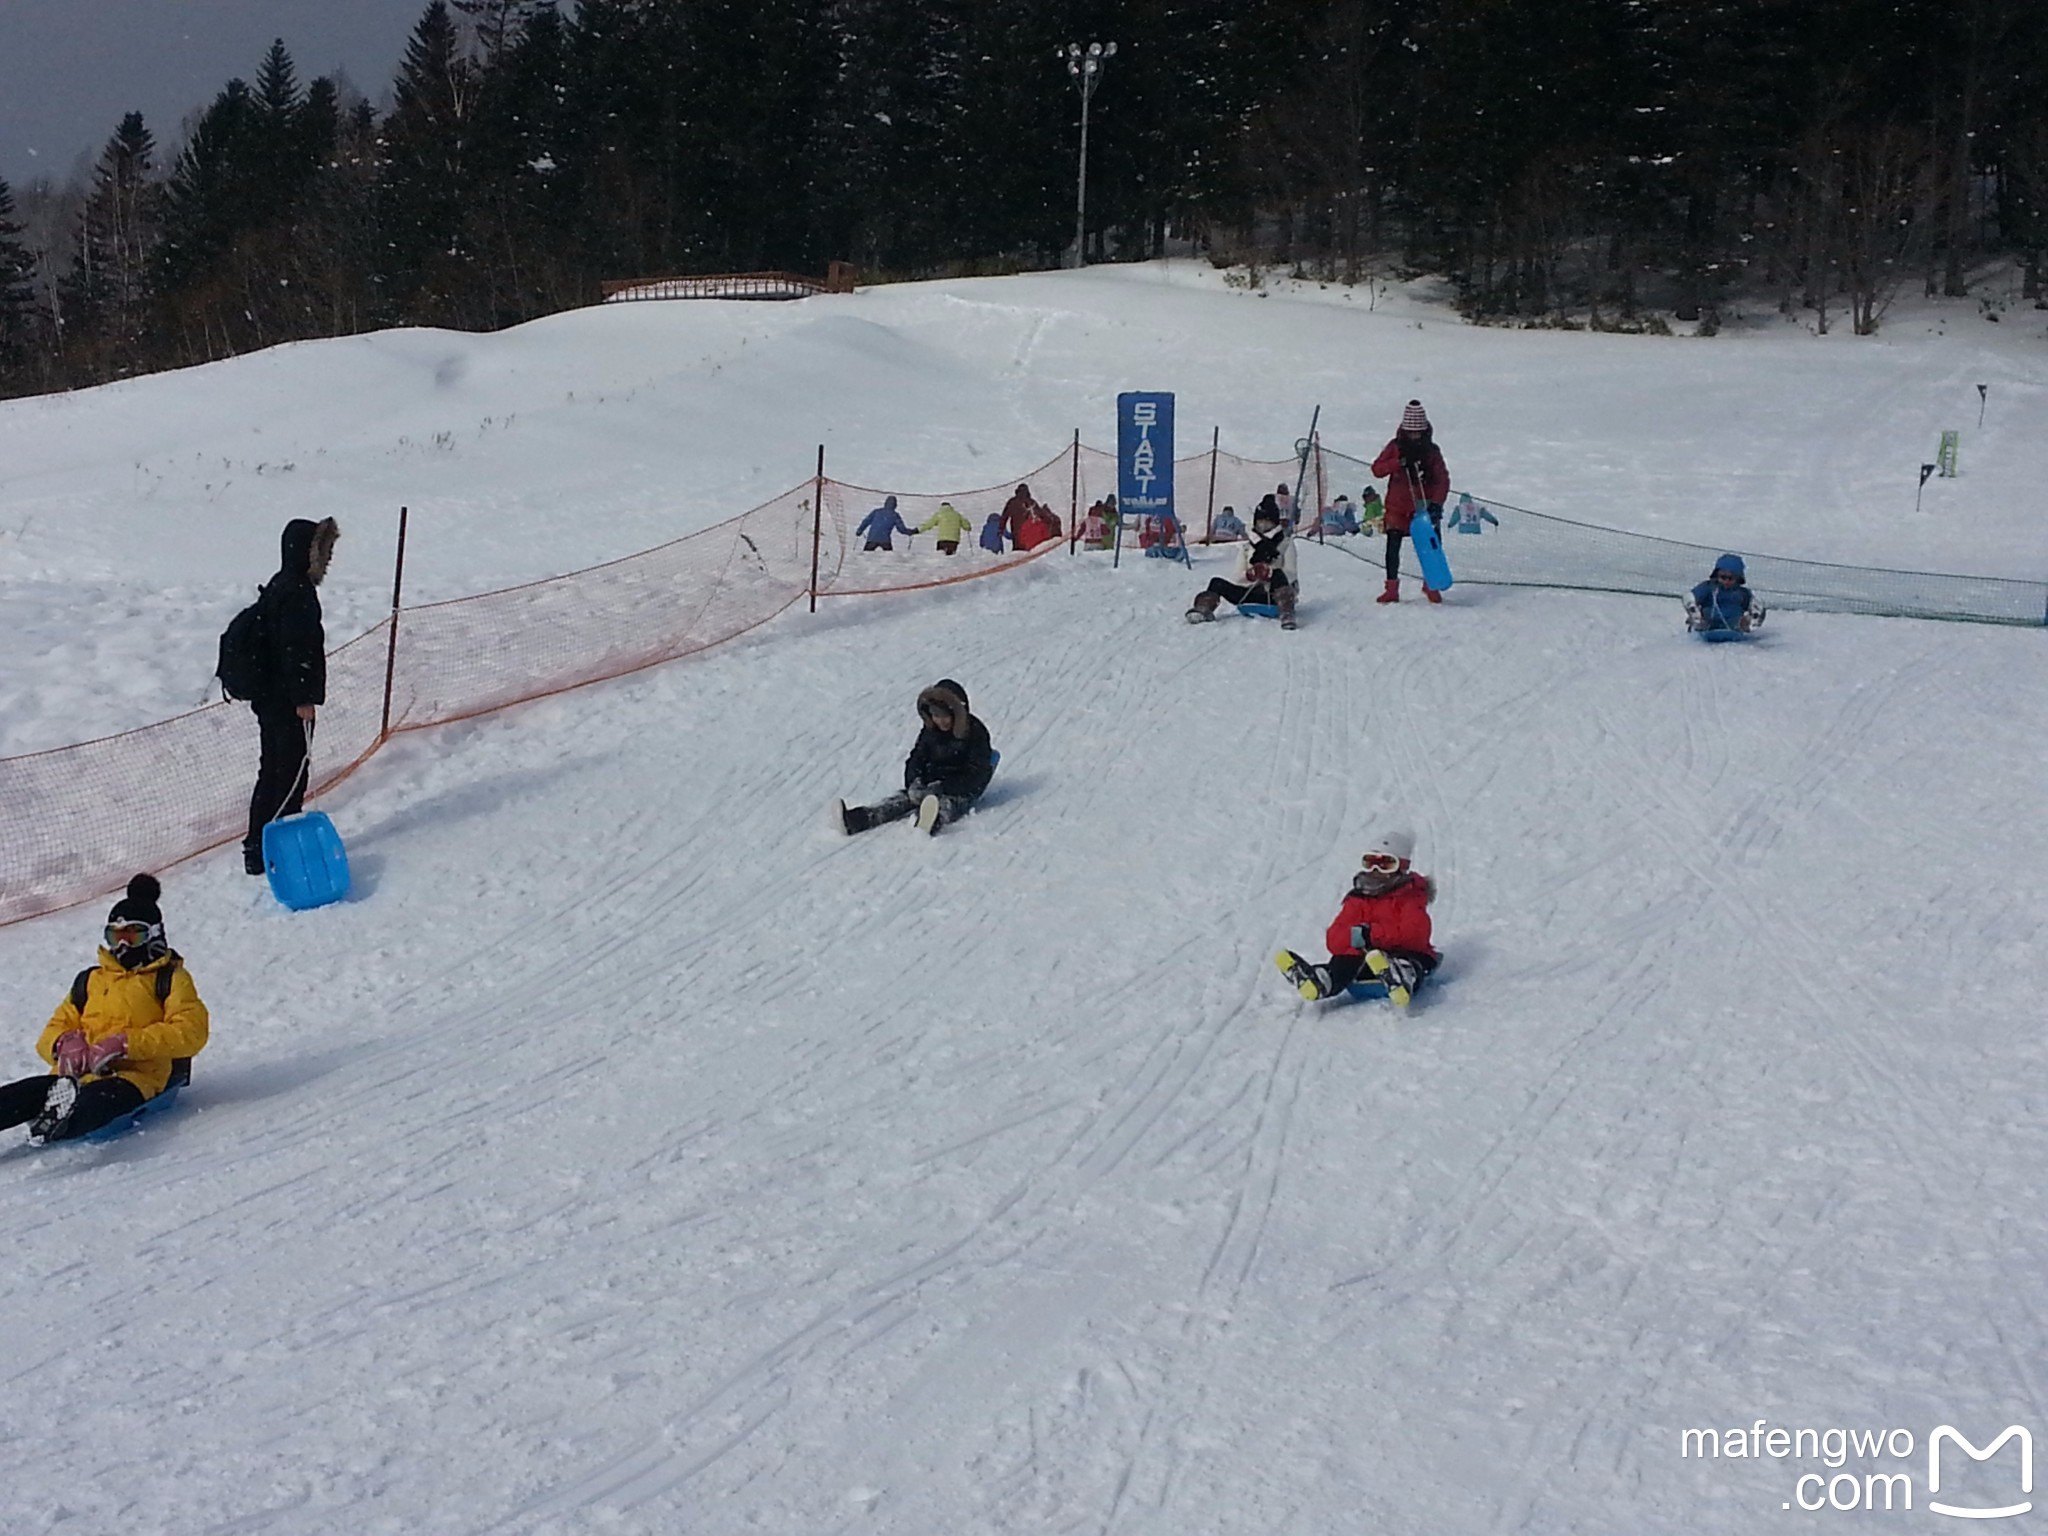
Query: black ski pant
(905,803)
(1394,538)
(1345,969)
(1258,592)
(100,1101)
(281,772)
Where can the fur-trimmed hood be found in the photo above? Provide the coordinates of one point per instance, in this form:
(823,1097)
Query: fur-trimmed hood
(306,548)
(949,696)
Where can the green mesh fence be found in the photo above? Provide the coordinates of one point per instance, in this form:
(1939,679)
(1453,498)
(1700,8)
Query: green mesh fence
(1534,549)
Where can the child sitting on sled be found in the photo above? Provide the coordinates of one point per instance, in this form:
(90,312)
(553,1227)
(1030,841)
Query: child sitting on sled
(114,1041)
(949,767)
(1722,603)
(1382,930)
(1265,570)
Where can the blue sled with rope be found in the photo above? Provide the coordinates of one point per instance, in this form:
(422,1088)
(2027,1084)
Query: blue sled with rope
(306,863)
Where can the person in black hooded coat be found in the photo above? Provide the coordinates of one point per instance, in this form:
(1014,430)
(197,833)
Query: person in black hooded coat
(294,678)
(949,766)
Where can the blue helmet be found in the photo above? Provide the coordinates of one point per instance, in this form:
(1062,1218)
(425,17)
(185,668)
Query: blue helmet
(1731,564)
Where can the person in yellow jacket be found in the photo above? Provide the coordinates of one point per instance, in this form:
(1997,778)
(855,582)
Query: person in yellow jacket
(115,1050)
(950,525)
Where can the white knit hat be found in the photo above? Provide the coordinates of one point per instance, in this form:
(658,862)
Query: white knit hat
(1414,419)
(1400,844)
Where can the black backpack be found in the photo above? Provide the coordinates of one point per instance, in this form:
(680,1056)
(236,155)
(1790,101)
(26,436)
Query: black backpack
(244,664)
(181,1069)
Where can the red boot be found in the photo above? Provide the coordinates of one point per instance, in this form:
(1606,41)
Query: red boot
(1432,594)
(1391,595)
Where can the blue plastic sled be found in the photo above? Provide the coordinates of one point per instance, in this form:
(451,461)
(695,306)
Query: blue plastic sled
(1367,991)
(1258,610)
(995,758)
(1719,636)
(113,1130)
(304,858)
(1429,553)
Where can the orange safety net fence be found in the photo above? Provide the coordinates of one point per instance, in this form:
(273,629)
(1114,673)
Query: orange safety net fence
(1238,484)
(76,821)
(916,562)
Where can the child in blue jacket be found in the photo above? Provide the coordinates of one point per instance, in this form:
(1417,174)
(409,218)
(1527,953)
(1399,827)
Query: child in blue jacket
(880,525)
(1722,602)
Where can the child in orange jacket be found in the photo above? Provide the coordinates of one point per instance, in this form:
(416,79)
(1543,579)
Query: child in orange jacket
(1382,928)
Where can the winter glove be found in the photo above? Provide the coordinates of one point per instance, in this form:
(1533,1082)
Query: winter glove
(1361,937)
(105,1052)
(1259,572)
(1436,514)
(71,1051)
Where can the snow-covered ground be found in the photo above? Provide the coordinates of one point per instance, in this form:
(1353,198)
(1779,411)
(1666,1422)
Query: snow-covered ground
(632,1154)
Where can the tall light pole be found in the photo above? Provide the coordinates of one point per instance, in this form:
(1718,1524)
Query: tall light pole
(1086,66)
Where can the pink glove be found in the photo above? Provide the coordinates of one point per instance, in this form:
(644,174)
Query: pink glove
(72,1053)
(105,1052)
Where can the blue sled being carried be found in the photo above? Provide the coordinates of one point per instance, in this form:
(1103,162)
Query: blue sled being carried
(305,861)
(1429,553)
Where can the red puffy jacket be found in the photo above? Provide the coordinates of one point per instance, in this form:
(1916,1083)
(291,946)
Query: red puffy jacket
(1399,919)
(1436,483)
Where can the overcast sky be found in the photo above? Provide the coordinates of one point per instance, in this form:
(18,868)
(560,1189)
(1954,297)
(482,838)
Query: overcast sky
(69,69)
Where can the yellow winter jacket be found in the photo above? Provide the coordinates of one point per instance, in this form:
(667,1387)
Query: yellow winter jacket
(948,521)
(119,1001)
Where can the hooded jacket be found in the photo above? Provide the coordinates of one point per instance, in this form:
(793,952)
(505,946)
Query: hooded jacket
(953,762)
(1396,918)
(296,642)
(1401,495)
(1270,548)
(882,524)
(119,1001)
(1721,607)
(949,523)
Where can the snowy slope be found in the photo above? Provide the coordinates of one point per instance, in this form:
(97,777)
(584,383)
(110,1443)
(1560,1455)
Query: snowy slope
(632,1154)
(154,505)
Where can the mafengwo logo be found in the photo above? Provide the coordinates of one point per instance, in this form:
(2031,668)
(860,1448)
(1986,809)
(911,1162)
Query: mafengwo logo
(1887,1483)
(1949,1434)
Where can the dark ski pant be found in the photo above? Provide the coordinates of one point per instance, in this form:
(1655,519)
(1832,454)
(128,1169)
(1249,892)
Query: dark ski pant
(1258,592)
(905,803)
(1345,969)
(101,1101)
(1394,538)
(1278,591)
(281,775)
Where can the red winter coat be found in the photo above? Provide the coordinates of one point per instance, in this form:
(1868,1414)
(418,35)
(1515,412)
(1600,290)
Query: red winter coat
(1399,919)
(1014,512)
(1035,528)
(1436,483)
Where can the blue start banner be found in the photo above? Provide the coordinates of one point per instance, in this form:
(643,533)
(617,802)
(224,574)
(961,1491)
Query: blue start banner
(1144,453)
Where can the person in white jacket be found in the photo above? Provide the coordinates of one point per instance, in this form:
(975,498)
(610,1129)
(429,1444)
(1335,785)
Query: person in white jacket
(1265,570)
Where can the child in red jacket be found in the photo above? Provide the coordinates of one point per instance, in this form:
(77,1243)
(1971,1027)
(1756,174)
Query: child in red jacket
(1383,928)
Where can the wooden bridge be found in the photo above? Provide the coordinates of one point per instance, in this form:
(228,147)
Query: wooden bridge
(731,285)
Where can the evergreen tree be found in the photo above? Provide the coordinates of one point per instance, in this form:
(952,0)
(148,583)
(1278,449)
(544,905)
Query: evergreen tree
(218,188)
(524,174)
(21,317)
(106,293)
(424,264)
